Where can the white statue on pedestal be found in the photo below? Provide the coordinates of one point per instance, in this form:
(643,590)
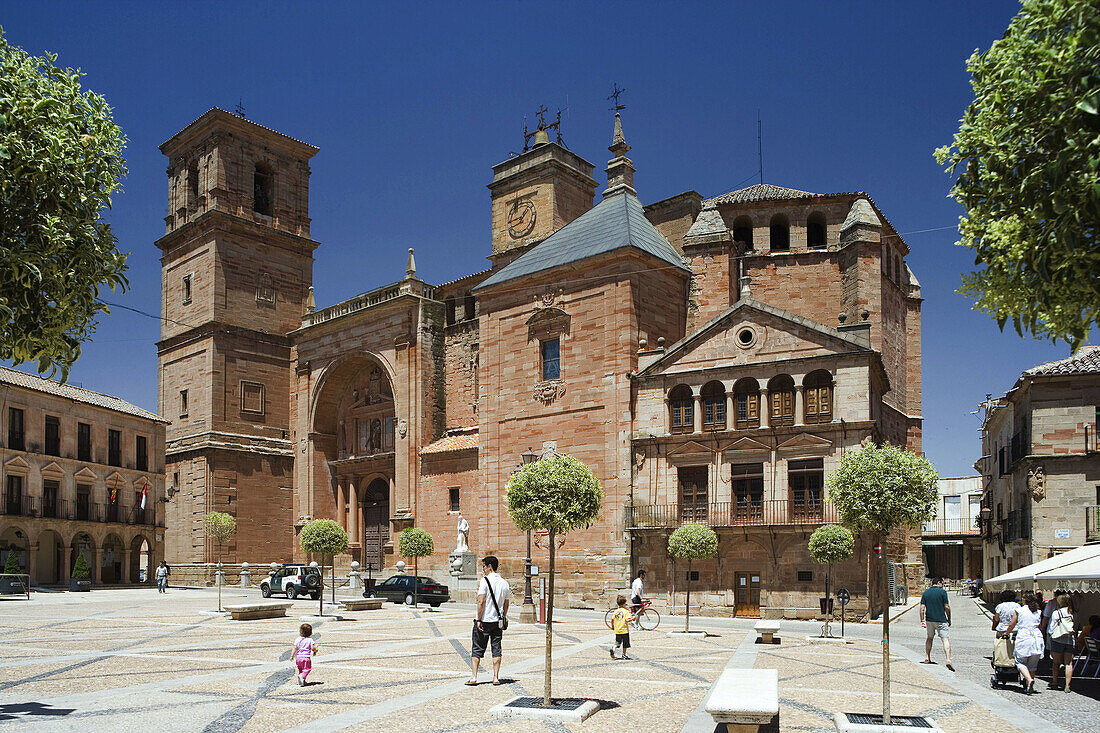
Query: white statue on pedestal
(463,535)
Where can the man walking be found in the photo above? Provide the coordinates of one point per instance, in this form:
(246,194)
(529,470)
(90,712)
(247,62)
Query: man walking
(493,594)
(935,616)
(637,591)
(162,576)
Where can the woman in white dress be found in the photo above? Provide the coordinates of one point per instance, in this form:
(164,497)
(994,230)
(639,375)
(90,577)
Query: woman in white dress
(1029,639)
(1005,611)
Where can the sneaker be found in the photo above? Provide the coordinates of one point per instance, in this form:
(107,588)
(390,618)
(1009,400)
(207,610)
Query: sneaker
(625,657)
(302,681)
(298,679)
(612,653)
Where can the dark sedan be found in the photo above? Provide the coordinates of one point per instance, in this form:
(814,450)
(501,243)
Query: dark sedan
(399,589)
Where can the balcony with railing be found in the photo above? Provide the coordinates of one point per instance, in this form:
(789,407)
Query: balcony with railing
(952,526)
(732,514)
(81,511)
(1092,524)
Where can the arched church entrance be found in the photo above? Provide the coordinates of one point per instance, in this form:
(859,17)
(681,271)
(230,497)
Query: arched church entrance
(376,524)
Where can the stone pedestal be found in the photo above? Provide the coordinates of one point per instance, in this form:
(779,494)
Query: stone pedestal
(463,566)
(246,575)
(355,581)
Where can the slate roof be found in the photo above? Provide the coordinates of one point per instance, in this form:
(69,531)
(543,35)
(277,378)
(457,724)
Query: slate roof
(1085,361)
(451,444)
(616,222)
(761,192)
(77,394)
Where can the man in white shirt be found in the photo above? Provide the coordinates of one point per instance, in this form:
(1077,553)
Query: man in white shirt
(493,594)
(637,591)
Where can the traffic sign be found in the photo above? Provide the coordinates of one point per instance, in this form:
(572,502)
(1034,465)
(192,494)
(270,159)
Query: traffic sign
(843,596)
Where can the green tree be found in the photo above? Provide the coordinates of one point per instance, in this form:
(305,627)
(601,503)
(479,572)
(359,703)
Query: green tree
(12,565)
(415,543)
(877,489)
(219,527)
(325,537)
(558,494)
(80,568)
(692,542)
(829,544)
(60,161)
(1027,155)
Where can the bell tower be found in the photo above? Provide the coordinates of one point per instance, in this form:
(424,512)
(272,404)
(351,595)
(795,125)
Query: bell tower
(236,268)
(537,192)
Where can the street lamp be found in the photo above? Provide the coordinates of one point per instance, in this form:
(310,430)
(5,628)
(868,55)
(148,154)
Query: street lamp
(527,610)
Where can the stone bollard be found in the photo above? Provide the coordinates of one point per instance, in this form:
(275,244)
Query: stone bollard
(400,567)
(246,575)
(354,581)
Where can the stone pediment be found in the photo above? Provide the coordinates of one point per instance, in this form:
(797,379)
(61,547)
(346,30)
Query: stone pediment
(17,465)
(804,441)
(86,474)
(139,482)
(690,448)
(745,445)
(53,471)
(114,478)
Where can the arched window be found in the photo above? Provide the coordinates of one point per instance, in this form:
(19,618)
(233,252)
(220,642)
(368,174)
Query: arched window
(714,406)
(746,404)
(742,231)
(780,234)
(469,306)
(781,399)
(897,269)
(815,230)
(193,182)
(682,405)
(262,182)
(818,391)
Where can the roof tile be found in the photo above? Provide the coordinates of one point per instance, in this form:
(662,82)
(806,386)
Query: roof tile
(78,394)
(1085,361)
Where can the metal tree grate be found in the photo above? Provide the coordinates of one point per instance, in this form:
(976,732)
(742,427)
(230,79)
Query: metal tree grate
(901,721)
(560,703)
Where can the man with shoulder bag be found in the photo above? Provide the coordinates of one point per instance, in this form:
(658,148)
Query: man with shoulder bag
(491,618)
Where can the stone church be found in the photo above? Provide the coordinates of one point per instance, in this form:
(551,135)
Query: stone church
(709,358)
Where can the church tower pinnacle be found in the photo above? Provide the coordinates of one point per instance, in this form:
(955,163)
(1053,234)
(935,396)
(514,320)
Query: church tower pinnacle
(620,169)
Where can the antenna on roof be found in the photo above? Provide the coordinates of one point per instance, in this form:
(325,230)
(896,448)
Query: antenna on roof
(240,108)
(760,145)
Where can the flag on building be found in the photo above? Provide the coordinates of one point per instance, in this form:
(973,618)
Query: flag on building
(144,491)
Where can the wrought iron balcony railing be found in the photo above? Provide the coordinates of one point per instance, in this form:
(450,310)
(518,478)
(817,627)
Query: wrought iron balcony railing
(732,514)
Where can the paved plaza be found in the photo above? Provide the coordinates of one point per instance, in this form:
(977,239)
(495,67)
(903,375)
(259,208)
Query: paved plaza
(134,659)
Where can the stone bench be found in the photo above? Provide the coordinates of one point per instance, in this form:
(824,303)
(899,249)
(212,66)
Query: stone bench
(745,700)
(252,611)
(362,604)
(767,630)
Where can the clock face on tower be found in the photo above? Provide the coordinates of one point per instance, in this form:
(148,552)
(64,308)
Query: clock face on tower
(521,218)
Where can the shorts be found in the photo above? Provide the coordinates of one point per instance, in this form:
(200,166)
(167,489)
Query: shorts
(491,634)
(622,640)
(937,628)
(1062,647)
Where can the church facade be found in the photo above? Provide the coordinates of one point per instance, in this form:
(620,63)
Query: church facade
(709,358)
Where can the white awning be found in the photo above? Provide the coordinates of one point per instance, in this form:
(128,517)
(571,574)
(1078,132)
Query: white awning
(1023,578)
(1082,576)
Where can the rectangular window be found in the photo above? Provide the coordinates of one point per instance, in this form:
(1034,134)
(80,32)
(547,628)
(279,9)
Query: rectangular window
(782,412)
(454,500)
(693,493)
(252,397)
(142,453)
(176,479)
(805,576)
(114,448)
(83,441)
(551,359)
(186,289)
(805,479)
(83,502)
(14,495)
(53,436)
(748,492)
(819,404)
(748,410)
(183,403)
(49,498)
(364,435)
(15,429)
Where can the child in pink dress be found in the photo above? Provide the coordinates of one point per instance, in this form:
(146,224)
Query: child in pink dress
(304,649)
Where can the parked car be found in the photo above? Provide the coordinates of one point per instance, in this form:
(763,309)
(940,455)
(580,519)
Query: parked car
(293,580)
(399,589)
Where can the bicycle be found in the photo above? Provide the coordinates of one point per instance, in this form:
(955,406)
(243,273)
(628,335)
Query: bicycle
(647,618)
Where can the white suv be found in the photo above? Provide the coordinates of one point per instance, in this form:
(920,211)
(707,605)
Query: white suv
(294,580)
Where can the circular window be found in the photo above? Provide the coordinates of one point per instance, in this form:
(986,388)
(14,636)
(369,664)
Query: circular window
(746,337)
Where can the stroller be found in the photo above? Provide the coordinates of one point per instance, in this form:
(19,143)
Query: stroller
(1004,662)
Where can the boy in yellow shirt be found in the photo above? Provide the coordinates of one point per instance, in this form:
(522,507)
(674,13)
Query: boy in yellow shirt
(620,624)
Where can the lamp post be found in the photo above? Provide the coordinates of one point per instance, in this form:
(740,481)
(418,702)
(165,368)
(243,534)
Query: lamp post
(527,610)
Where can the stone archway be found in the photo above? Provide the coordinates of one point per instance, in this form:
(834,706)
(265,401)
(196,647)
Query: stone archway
(141,559)
(82,544)
(49,565)
(112,560)
(14,539)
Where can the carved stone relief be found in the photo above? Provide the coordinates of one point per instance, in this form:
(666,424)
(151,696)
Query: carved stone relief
(547,392)
(1036,483)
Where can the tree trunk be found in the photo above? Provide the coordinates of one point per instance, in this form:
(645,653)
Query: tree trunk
(687,602)
(218,577)
(885,645)
(546,699)
(333,581)
(321,595)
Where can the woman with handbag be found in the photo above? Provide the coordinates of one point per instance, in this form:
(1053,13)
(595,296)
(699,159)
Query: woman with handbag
(1062,639)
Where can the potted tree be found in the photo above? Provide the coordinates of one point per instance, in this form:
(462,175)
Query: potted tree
(557,494)
(692,542)
(80,579)
(830,543)
(219,527)
(325,537)
(878,488)
(415,543)
(12,582)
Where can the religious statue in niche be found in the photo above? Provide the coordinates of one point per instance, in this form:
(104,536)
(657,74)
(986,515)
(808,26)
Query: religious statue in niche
(1036,483)
(375,435)
(463,544)
(374,386)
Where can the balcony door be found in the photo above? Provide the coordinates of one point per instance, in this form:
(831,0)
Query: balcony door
(14,495)
(693,493)
(746,592)
(806,479)
(748,492)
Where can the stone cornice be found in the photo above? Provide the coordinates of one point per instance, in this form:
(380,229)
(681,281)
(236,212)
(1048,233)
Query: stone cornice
(218,220)
(239,442)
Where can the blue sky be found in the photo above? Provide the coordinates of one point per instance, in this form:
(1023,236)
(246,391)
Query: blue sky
(412,103)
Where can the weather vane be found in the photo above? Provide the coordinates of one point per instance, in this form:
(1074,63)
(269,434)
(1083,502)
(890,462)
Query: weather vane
(615,94)
(240,108)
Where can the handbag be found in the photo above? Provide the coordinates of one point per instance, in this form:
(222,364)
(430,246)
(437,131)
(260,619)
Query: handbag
(503,623)
(1063,627)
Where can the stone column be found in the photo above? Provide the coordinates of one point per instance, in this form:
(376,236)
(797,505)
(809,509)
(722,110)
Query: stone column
(32,562)
(341,504)
(353,521)
(731,416)
(697,425)
(126,578)
(97,565)
(799,405)
(765,408)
